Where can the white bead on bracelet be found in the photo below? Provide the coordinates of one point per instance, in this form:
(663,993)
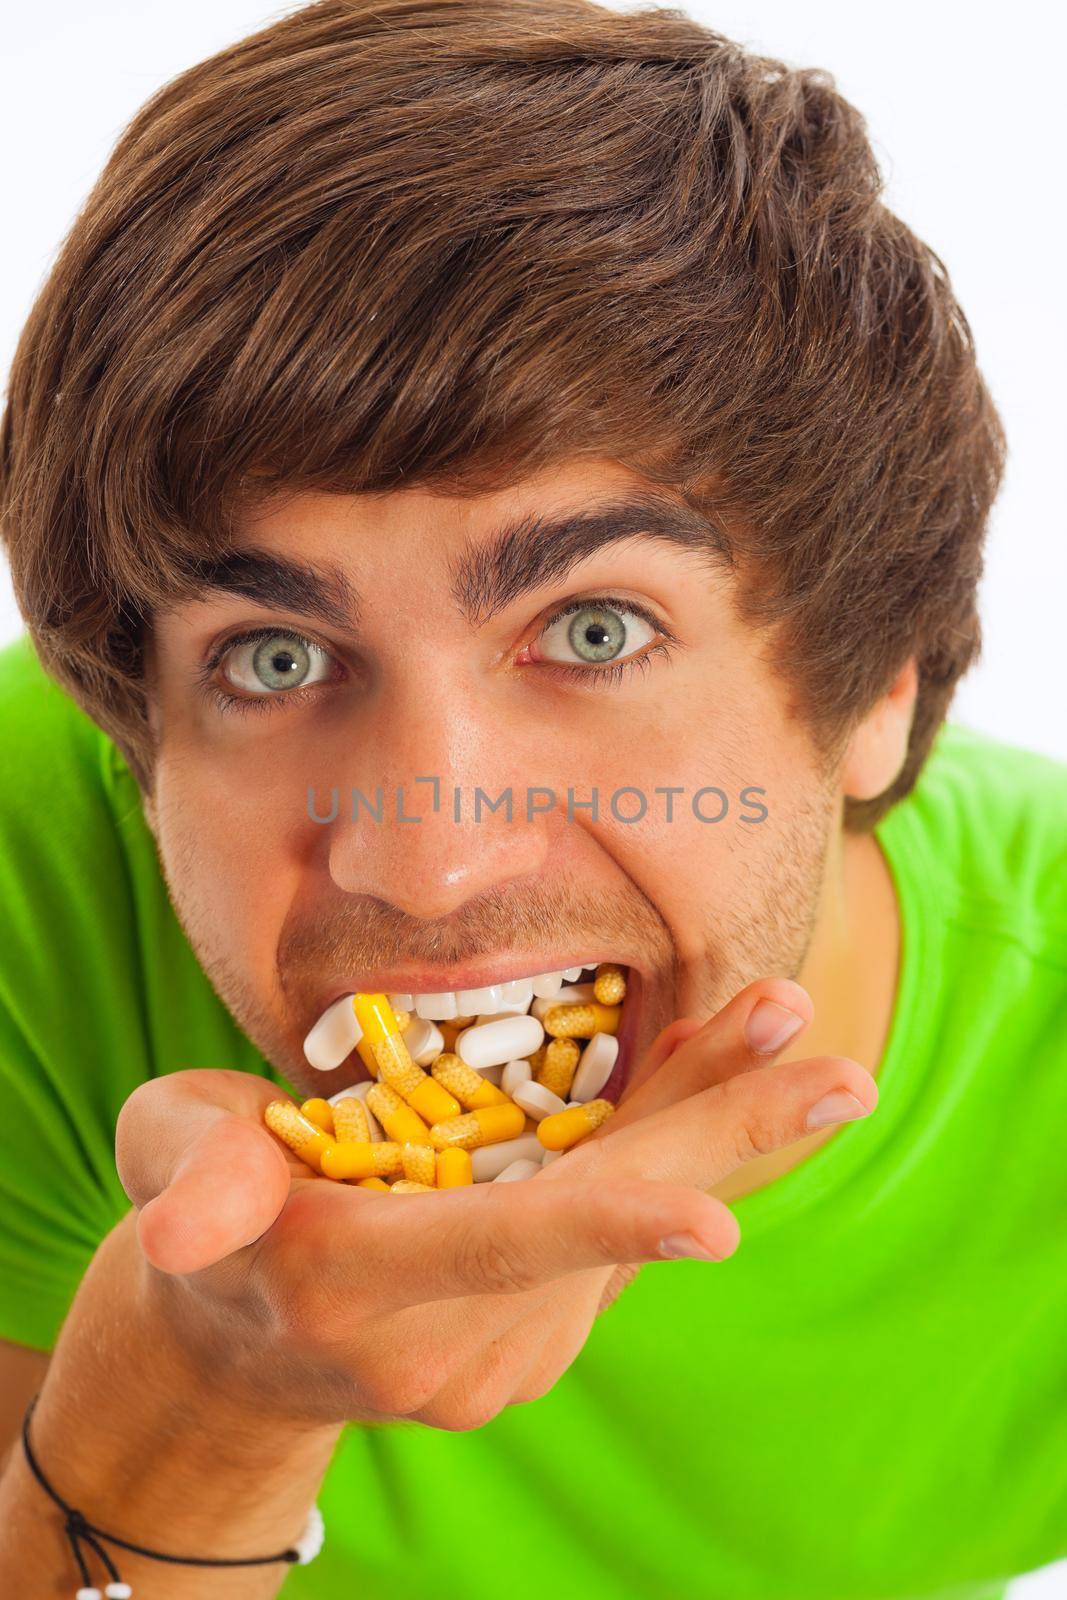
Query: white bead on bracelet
(311,1540)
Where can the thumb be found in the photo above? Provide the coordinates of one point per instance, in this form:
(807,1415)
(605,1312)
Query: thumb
(206,1175)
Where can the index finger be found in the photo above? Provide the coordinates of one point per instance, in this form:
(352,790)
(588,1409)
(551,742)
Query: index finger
(705,1137)
(709,1052)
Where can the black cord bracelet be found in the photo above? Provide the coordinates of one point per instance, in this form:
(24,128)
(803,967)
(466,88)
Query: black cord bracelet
(80,1531)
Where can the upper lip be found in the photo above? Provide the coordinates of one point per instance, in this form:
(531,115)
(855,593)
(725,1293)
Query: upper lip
(475,975)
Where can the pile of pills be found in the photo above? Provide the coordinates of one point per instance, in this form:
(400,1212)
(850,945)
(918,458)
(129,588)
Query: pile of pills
(468,1100)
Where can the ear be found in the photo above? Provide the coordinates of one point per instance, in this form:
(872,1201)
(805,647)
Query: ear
(878,747)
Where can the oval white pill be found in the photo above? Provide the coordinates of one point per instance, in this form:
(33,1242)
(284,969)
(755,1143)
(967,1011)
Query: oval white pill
(490,1044)
(517,1171)
(514,1075)
(595,1066)
(551,1155)
(537,1101)
(334,1036)
(424,1041)
(490,1159)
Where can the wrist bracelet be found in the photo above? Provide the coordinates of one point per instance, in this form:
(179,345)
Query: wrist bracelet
(80,1531)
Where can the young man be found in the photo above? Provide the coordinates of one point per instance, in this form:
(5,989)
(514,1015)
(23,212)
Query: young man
(448,398)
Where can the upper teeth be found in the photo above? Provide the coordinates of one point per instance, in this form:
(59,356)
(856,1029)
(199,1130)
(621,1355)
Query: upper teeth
(337,1032)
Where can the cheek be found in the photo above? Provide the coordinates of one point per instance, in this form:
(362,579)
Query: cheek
(748,770)
(738,735)
(690,854)
(228,854)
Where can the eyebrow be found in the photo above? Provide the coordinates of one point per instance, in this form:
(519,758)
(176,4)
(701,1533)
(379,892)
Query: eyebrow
(535,550)
(524,554)
(315,590)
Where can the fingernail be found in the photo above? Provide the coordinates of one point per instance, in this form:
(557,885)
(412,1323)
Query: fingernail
(770,1025)
(837,1106)
(676,1245)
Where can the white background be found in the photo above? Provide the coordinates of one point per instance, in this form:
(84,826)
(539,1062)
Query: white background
(963,106)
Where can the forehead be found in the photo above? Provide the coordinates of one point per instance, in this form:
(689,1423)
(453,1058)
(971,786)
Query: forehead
(436,515)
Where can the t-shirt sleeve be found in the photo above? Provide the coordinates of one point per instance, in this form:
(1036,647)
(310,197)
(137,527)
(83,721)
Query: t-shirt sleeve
(71,1025)
(57,1199)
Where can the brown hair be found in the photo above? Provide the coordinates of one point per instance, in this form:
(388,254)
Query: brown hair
(445,242)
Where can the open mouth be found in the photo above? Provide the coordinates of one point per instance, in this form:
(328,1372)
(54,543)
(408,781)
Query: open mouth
(437,1020)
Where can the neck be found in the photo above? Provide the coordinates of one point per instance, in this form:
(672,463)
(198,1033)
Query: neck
(850,969)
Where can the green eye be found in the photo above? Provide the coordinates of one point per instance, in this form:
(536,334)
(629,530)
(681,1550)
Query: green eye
(594,634)
(276,662)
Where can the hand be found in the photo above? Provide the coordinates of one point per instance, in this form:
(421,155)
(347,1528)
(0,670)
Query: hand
(327,1302)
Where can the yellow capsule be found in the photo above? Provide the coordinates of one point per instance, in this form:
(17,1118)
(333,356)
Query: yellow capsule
(420,1164)
(433,1102)
(356,1159)
(375,1016)
(350,1120)
(302,1135)
(373,1183)
(396,1116)
(366,1048)
(560,1063)
(393,1060)
(320,1112)
(363,1047)
(581,1022)
(565,1128)
(487,1126)
(469,1087)
(406,1186)
(609,985)
(454,1168)
(366,1055)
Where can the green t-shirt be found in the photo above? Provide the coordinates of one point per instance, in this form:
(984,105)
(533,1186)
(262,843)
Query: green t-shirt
(869,1399)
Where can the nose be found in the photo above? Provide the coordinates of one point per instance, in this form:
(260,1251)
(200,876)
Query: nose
(426,828)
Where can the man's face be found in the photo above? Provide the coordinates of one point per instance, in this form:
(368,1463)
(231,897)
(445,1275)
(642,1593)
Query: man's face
(458,664)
